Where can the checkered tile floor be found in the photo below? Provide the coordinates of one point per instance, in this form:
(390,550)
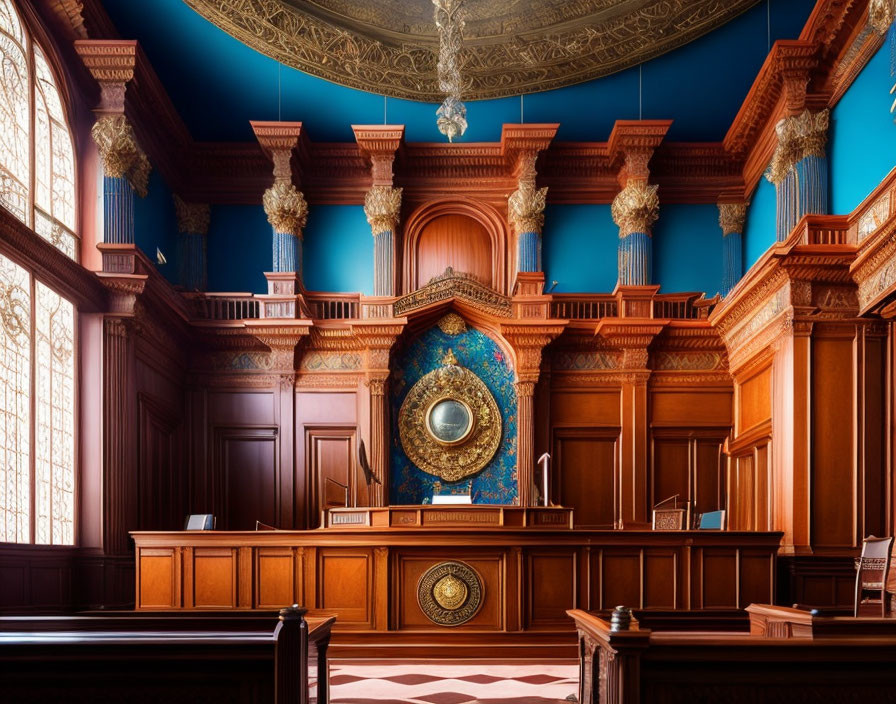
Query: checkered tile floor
(452,683)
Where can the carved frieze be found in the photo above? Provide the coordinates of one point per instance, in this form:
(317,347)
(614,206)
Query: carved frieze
(451,284)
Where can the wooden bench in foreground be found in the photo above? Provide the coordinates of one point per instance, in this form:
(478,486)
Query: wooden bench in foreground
(95,659)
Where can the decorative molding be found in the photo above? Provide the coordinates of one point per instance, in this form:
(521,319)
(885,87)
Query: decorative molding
(455,285)
(552,46)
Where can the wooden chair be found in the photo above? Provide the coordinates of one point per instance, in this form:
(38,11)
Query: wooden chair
(871,577)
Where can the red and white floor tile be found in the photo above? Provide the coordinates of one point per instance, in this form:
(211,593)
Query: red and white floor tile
(452,683)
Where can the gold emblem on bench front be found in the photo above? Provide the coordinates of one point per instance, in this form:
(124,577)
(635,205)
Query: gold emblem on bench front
(449,423)
(450,593)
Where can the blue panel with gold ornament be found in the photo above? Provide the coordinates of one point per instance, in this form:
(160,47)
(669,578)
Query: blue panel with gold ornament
(496,483)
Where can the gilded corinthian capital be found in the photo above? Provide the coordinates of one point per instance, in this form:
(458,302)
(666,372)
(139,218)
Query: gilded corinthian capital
(881,14)
(798,137)
(732,217)
(192,218)
(636,208)
(525,207)
(382,206)
(122,156)
(286,208)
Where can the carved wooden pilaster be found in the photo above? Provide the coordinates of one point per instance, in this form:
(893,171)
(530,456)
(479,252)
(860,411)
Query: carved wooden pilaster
(119,436)
(377,341)
(528,342)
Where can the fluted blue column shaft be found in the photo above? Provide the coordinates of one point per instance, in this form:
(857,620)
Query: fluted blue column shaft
(191,261)
(733,260)
(287,252)
(635,265)
(529,252)
(118,210)
(803,190)
(383,257)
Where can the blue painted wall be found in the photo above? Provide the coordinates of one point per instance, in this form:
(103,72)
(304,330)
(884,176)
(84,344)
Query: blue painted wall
(338,249)
(218,84)
(579,248)
(759,232)
(239,249)
(687,249)
(155,225)
(863,137)
(497,482)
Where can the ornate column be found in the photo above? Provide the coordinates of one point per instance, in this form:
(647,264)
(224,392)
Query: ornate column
(799,169)
(192,225)
(527,341)
(284,204)
(125,166)
(521,145)
(732,217)
(377,342)
(382,206)
(636,207)
(379,144)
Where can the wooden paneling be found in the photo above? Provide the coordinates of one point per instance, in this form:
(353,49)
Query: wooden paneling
(709,483)
(585,407)
(457,241)
(754,398)
(277,573)
(620,579)
(691,407)
(161,483)
(214,578)
(345,585)
(661,579)
(833,488)
(585,474)
(158,578)
(35,578)
(246,462)
(671,469)
(552,587)
(689,463)
(718,579)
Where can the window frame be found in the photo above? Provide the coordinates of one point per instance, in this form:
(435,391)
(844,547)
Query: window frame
(35,38)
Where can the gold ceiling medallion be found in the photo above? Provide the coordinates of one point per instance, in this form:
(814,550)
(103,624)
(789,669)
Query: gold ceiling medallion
(511,47)
(449,593)
(452,324)
(449,423)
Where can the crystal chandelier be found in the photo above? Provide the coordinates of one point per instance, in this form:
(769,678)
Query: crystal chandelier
(452,114)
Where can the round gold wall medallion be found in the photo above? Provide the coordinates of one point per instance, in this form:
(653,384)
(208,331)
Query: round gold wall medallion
(449,423)
(450,593)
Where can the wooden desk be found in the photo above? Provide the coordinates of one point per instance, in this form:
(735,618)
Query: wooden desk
(641,666)
(768,621)
(152,658)
(530,577)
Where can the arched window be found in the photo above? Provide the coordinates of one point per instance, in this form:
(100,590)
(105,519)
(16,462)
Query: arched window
(37,165)
(37,325)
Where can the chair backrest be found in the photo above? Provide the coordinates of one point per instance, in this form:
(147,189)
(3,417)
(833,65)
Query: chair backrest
(712,520)
(875,560)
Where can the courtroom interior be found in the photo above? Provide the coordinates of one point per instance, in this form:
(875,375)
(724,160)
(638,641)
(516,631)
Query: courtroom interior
(447,351)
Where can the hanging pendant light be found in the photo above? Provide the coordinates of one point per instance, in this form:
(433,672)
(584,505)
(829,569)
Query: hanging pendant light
(451,117)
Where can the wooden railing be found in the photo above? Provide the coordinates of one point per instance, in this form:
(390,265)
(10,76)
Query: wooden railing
(334,306)
(572,306)
(682,306)
(223,306)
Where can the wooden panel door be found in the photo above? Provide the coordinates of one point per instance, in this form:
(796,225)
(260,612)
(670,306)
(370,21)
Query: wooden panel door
(688,463)
(585,470)
(246,463)
(331,471)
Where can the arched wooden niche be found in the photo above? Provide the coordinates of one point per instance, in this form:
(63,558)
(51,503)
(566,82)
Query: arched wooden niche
(468,236)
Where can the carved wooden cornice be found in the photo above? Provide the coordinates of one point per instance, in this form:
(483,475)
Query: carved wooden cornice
(379,144)
(454,286)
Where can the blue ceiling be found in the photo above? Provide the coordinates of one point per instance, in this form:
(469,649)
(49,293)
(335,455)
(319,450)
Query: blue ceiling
(218,84)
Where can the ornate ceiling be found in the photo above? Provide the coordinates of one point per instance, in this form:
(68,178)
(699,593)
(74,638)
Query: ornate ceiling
(510,46)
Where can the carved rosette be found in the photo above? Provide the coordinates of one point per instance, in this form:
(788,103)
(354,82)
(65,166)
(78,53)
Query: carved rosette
(799,136)
(122,156)
(732,217)
(286,208)
(636,208)
(382,206)
(192,218)
(525,207)
(881,14)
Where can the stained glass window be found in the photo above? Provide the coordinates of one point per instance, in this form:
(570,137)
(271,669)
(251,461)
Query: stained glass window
(38,152)
(37,325)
